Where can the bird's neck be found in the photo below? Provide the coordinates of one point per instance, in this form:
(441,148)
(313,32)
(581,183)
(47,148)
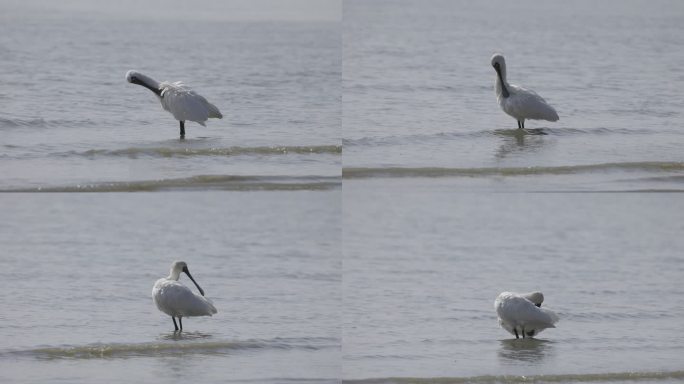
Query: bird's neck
(502,84)
(175,275)
(151,84)
(156,90)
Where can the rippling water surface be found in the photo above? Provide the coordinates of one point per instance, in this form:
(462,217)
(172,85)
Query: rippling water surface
(79,270)
(423,265)
(419,87)
(446,203)
(68,117)
(251,202)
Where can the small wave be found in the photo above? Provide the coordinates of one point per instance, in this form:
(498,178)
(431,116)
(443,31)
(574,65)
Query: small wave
(578,378)
(173,347)
(5,122)
(42,123)
(203,182)
(395,172)
(459,135)
(136,152)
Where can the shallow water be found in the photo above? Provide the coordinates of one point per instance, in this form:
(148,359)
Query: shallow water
(69,117)
(446,203)
(423,265)
(79,270)
(360,205)
(251,202)
(419,87)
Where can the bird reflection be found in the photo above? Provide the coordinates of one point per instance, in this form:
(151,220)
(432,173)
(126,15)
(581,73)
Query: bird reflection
(519,141)
(184,336)
(529,350)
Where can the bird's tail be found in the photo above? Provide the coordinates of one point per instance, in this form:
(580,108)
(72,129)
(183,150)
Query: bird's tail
(213,111)
(210,304)
(552,315)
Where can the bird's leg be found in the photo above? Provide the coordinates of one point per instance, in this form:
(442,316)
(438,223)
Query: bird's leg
(519,125)
(180,320)
(514,329)
(174,323)
(523,124)
(523,330)
(182,133)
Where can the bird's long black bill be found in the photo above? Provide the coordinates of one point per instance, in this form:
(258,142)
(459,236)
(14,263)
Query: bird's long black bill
(156,91)
(193,280)
(504,90)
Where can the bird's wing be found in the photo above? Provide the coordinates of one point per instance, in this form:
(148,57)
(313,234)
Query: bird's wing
(534,317)
(514,309)
(180,300)
(529,104)
(552,315)
(185,104)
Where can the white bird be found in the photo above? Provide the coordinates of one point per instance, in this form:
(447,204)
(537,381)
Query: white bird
(522,313)
(182,102)
(177,300)
(518,102)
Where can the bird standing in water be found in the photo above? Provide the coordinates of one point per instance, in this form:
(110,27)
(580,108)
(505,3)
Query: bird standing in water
(177,300)
(518,102)
(182,102)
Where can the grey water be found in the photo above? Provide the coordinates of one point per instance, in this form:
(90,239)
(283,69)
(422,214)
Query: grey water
(251,202)
(362,202)
(447,204)
(68,118)
(78,271)
(423,265)
(419,91)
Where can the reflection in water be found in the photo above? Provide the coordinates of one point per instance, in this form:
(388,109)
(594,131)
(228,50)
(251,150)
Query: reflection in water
(184,336)
(519,140)
(514,351)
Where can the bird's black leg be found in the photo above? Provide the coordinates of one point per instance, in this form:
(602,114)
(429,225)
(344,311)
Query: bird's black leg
(514,329)
(519,125)
(174,323)
(522,123)
(523,330)
(182,133)
(180,320)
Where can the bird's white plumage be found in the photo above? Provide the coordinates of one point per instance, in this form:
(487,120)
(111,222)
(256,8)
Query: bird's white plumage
(177,300)
(518,102)
(518,312)
(178,99)
(185,104)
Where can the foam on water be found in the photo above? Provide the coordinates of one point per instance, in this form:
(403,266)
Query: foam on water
(618,377)
(180,344)
(135,152)
(200,183)
(671,167)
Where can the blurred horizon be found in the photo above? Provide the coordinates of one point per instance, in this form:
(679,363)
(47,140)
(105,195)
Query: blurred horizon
(207,10)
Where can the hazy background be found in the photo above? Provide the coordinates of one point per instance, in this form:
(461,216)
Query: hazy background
(228,10)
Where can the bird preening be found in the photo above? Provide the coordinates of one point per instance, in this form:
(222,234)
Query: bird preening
(177,300)
(518,102)
(182,102)
(522,314)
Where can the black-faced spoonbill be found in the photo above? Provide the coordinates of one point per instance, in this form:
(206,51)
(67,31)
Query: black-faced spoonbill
(522,313)
(177,300)
(182,102)
(518,102)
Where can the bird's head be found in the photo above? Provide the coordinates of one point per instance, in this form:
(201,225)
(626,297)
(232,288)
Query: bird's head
(499,64)
(535,297)
(178,267)
(136,77)
(181,266)
(133,77)
(498,60)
